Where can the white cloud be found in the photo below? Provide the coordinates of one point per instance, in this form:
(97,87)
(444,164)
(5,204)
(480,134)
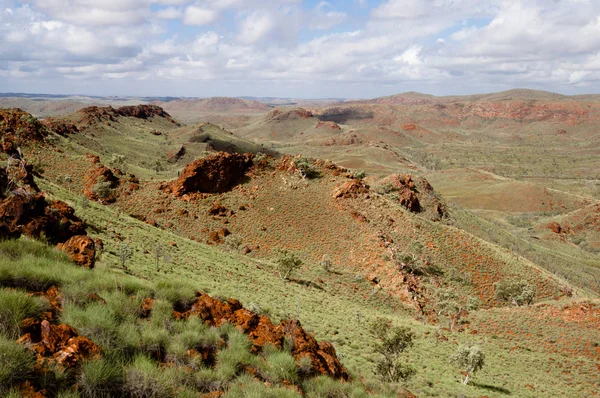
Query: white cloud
(199,16)
(169,13)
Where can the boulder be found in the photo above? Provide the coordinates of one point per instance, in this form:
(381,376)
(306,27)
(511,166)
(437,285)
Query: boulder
(81,249)
(351,189)
(96,175)
(213,174)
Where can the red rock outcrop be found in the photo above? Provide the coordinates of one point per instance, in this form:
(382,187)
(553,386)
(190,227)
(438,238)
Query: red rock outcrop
(554,227)
(18,128)
(81,249)
(58,343)
(60,127)
(95,175)
(213,174)
(261,331)
(330,125)
(351,189)
(33,216)
(144,112)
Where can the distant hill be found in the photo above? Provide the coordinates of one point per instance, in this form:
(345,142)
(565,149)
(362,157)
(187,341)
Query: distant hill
(213,105)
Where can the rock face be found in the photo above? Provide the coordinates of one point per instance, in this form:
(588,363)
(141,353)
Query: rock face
(26,211)
(351,189)
(94,176)
(214,174)
(81,249)
(261,331)
(60,127)
(415,194)
(33,216)
(17,128)
(144,112)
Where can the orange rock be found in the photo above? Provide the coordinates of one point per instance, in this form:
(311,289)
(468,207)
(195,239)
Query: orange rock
(351,189)
(81,249)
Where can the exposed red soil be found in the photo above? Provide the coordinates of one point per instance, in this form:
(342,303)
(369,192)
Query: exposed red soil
(215,173)
(261,332)
(573,327)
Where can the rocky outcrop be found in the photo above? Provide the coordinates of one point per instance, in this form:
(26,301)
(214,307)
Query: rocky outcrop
(415,194)
(81,249)
(18,128)
(213,174)
(144,112)
(33,216)
(60,127)
(261,331)
(60,344)
(351,189)
(96,175)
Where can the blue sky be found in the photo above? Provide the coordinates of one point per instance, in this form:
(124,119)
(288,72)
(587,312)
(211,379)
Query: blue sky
(295,48)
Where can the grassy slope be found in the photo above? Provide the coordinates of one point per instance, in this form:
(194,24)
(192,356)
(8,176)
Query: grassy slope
(331,315)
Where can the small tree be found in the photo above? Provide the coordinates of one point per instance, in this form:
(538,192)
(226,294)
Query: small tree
(391,343)
(306,168)
(159,252)
(125,253)
(102,189)
(449,306)
(158,166)
(326,263)
(469,360)
(117,162)
(515,292)
(287,262)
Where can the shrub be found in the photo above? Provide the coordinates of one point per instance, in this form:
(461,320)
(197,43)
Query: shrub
(469,360)
(326,263)
(102,189)
(515,292)
(279,365)
(391,343)
(16,363)
(287,262)
(15,306)
(237,353)
(142,380)
(117,162)
(100,378)
(306,168)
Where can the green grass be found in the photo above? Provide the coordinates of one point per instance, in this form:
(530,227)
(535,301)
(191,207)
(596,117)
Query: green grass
(16,363)
(15,306)
(331,314)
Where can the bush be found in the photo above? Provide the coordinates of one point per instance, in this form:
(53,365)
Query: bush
(515,292)
(16,363)
(287,262)
(142,380)
(306,168)
(279,366)
(125,253)
(101,379)
(102,189)
(15,306)
(391,344)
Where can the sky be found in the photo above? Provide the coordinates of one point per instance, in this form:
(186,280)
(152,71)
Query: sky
(298,48)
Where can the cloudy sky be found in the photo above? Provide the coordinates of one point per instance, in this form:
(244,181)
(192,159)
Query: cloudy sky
(298,48)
